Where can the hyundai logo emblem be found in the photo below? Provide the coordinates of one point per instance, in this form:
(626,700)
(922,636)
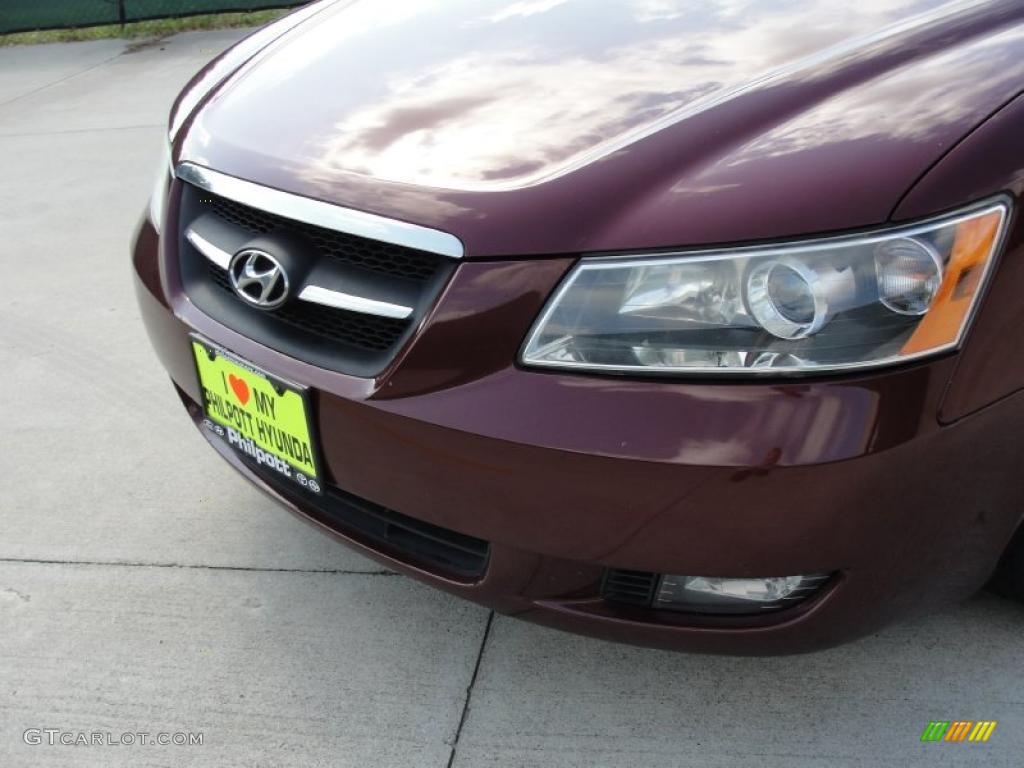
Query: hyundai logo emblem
(258,278)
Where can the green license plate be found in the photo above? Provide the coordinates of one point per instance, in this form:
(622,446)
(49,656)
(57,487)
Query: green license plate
(265,419)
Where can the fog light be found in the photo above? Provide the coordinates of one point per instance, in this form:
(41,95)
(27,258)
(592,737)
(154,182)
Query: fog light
(712,594)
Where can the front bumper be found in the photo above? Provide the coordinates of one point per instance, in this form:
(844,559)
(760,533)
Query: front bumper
(565,476)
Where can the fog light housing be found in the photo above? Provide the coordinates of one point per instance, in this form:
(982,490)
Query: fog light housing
(714,594)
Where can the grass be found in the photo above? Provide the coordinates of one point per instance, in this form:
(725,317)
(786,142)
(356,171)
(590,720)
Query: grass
(144,29)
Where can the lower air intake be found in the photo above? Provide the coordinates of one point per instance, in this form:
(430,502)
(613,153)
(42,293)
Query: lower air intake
(431,547)
(632,587)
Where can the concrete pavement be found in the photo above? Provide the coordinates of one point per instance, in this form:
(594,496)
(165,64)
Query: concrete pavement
(144,587)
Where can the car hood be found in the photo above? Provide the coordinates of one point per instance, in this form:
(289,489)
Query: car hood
(635,119)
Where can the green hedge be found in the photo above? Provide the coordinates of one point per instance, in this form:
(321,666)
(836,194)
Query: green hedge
(27,15)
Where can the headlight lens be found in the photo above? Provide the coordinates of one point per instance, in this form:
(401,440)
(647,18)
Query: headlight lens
(161,189)
(838,303)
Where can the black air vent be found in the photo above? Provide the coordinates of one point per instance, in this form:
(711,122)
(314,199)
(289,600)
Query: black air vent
(633,587)
(440,550)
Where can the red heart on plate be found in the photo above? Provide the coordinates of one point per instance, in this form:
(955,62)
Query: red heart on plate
(239,387)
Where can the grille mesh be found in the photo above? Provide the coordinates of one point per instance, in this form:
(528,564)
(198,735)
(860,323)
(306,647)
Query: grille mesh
(364,331)
(369,254)
(354,343)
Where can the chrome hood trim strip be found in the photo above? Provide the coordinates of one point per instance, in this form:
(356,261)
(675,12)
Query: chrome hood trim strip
(320,214)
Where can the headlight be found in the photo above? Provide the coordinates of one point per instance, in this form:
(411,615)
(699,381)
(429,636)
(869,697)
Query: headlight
(161,189)
(837,303)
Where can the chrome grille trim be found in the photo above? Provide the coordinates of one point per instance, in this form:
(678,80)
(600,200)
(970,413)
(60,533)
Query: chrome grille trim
(317,294)
(218,256)
(314,294)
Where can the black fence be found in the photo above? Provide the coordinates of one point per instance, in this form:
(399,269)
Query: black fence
(25,15)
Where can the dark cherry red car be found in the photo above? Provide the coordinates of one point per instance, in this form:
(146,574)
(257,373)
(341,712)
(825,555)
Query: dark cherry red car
(692,325)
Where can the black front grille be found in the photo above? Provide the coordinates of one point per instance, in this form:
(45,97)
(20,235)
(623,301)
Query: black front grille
(436,549)
(356,343)
(632,587)
(365,331)
(376,334)
(359,251)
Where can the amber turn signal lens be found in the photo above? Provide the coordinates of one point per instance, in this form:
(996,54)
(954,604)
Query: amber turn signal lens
(973,250)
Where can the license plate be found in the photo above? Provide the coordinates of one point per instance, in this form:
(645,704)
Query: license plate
(265,419)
